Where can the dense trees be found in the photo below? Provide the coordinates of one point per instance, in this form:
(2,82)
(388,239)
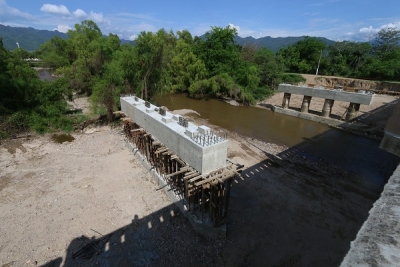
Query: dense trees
(164,62)
(379,59)
(27,102)
(160,62)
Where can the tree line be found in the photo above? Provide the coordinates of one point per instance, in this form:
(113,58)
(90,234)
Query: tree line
(378,59)
(167,62)
(161,62)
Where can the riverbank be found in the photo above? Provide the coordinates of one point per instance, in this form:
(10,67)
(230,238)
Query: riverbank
(285,210)
(370,121)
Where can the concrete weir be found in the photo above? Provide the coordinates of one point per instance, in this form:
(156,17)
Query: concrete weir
(330,96)
(189,162)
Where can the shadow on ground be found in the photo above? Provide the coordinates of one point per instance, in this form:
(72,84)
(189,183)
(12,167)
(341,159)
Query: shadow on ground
(289,210)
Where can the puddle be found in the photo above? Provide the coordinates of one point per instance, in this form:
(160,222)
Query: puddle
(61,138)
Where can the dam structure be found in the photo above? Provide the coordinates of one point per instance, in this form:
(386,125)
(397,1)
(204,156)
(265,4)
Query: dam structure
(188,161)
(354,97)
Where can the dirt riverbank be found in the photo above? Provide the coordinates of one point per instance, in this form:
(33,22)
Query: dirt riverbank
(371,119)
(284,210)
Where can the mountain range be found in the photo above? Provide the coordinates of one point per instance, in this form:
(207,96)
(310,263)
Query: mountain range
(30,39)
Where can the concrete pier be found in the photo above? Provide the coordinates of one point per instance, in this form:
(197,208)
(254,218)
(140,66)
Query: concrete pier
(286,100)
(306,104)
(352,111)
(391,140)
(355,98)
(327,109)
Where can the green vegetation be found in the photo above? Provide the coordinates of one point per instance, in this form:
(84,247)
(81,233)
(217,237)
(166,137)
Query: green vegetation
(27,102)
(160,62)
(377,60)
(166,62)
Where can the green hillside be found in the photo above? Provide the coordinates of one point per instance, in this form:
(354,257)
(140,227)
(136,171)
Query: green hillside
(30,39)
(274,44)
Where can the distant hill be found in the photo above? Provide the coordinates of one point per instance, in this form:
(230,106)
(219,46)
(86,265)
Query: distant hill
(274,44)
(30,39)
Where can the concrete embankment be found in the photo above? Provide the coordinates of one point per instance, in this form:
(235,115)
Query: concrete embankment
(377,243)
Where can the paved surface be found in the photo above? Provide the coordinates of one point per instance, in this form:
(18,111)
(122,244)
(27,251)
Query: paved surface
(378,241)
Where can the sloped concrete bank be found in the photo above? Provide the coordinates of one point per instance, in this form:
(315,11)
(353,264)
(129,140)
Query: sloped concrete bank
(377,242)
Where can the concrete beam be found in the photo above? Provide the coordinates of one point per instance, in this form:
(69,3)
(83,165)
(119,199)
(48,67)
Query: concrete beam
(358,98)
(192,144)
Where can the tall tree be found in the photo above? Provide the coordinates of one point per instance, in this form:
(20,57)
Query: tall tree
(270,67)
(387,43)
(185,68)
(218,51)
(303,56)
(153,50)
(386,52)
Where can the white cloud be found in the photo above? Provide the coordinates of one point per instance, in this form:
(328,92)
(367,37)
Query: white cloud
(54,9)
(63,28)
(80,14)
(368,33)
(371,29)
(98,18)
(368,30)
(133,37)
(9,14)
(230,25)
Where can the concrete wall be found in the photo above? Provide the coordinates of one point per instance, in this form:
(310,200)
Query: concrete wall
(377,242)
(176,137)
(357,98)
(391,140)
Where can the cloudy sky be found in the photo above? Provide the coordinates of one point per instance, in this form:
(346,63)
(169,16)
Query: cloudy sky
(355,20)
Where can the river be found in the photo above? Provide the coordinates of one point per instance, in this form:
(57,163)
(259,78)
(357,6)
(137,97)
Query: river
(357,154)
(316,141)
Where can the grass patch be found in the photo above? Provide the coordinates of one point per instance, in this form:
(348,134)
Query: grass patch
(292,78)
(3,135)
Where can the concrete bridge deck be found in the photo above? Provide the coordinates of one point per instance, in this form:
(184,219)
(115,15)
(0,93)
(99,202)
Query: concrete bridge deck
(330,96)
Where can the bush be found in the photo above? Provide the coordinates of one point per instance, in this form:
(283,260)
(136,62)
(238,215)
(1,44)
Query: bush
(291,78)
(3,135)
(19,119)
(262,93)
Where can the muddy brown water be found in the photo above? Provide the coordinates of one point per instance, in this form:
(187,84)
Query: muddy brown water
(316,141)
(357,154)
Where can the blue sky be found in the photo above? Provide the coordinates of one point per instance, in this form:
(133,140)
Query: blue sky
(355,20)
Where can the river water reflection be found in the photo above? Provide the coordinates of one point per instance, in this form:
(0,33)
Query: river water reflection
(317,141)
